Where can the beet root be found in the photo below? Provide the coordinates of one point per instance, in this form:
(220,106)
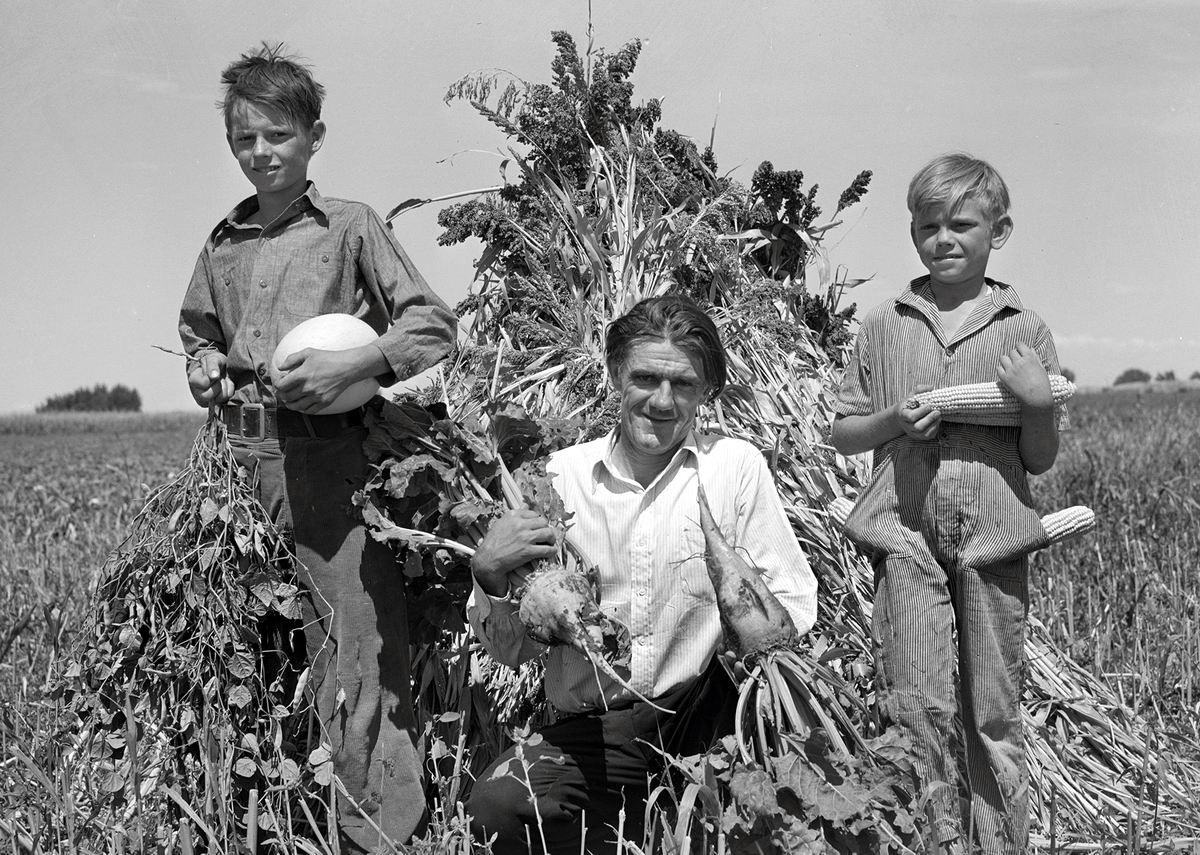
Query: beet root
(558,606)
(752,618)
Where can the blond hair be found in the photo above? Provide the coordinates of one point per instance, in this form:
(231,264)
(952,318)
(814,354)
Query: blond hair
(950,179)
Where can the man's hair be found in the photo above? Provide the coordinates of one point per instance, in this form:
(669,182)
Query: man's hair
(676,320)
(268,77)
(950,179)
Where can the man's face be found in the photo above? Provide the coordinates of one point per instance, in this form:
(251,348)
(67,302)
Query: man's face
(661,387)
(954,247)
(273,152)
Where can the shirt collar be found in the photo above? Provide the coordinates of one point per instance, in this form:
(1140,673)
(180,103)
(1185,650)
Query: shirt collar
(919,297)
(242,211)
(920,292)
(603,461)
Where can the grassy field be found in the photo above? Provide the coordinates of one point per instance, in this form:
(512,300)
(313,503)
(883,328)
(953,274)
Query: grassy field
(1123,601)
(71,485)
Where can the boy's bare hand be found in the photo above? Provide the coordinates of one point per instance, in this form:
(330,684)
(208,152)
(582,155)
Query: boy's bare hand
(310,380)
(208,380)
(1022,373)
(921,421)
(513,540)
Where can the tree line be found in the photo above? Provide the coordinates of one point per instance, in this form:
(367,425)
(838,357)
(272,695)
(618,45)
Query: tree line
(97,399)
(1137,375)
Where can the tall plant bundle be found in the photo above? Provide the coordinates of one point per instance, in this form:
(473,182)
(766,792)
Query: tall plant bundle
(184,725)
(574,243)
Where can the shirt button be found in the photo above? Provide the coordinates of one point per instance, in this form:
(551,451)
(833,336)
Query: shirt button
(949,352)
(642,592)
(642,641)
(262,371)
(262,283)
(325,258)
(257,333)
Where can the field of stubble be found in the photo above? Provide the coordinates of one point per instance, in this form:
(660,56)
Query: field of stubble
(1122,601)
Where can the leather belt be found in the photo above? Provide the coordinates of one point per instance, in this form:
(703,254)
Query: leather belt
(258,422)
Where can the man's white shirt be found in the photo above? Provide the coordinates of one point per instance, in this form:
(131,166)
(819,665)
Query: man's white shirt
(649,548)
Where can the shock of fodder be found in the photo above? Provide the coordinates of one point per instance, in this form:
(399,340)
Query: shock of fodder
(179,704)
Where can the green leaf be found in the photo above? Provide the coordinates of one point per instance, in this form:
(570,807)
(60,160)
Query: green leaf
(470,512)
(414,565)
(834,803)
(115,779)
(239,697)
(418,475)
(208,510)
(320,760)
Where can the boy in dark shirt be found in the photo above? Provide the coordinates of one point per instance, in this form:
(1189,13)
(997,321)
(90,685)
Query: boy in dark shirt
(282,256)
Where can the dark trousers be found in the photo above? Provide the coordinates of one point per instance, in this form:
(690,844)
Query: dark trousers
(585,769)
(355,633)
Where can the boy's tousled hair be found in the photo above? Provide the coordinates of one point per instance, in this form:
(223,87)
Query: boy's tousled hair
(271,78)
(950,179)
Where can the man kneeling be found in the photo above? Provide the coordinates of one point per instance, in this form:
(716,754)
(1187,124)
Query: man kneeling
(634,498)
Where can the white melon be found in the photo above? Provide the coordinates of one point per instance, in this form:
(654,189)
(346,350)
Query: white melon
(331,332)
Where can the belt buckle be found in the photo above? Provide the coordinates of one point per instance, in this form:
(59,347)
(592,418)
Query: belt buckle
(258,420)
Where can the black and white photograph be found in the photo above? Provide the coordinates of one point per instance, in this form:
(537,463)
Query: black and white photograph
(597,427)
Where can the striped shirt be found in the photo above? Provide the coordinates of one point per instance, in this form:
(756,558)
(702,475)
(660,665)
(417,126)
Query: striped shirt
(650,550)
(323,255)
(965,492)
(901,345)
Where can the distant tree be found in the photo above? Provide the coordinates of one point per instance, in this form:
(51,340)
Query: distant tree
(1165,375)
(98,399)
(1132,375)
(1069,374)
(1195,375)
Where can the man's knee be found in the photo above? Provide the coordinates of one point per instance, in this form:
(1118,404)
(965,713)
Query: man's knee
(498,805)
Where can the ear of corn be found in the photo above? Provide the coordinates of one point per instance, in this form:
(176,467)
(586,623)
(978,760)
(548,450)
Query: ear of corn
(988,403)
(1069,522)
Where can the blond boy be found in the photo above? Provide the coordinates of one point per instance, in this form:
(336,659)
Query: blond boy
(947,517)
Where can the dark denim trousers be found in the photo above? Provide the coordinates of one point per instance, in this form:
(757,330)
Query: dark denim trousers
(355,635)
(585,769)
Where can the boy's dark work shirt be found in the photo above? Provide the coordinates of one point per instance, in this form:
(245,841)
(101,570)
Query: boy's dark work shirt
(252,285)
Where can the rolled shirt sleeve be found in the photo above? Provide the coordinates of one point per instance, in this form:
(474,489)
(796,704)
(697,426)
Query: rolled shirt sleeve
(497,624)
(199,323)
(422,327)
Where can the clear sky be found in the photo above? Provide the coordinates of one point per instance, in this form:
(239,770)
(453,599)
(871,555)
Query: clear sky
(116,167)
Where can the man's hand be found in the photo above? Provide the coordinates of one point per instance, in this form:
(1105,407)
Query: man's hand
(1022,373)
(208,380)
(921,421)
(512,541)
(310,380)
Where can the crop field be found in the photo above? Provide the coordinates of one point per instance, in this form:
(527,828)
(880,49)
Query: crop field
(71,486)
(1122,601)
